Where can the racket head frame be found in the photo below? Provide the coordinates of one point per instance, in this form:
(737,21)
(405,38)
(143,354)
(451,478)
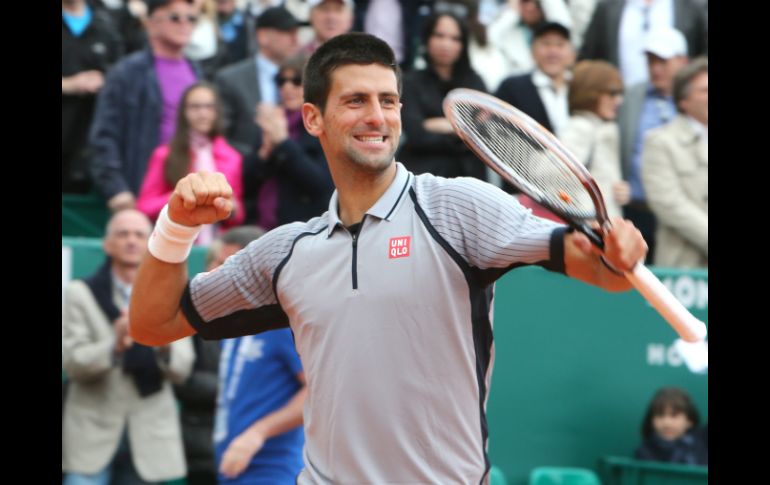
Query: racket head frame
(545,138)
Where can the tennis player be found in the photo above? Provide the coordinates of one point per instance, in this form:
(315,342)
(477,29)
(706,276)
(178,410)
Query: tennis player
(388,294)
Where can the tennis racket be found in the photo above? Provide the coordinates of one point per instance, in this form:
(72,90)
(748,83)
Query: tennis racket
(533,160)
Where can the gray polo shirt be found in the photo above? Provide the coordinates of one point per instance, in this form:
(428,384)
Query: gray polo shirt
(393,326)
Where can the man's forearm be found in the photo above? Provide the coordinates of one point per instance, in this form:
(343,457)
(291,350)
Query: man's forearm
(283,419)
(156,317)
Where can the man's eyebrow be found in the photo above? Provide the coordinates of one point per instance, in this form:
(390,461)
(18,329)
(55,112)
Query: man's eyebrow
(356,94)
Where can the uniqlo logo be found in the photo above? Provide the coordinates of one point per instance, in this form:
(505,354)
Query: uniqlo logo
(398,247)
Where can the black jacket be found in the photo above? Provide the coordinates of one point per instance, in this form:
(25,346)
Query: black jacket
(521,92)
(97,48)
(427,152)
(198,403)
(691,449)
(304,181)
(126,125)
(602,35)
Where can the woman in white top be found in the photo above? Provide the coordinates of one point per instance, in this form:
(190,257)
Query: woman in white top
(592,134)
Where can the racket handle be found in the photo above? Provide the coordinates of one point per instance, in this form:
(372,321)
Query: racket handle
(686,325)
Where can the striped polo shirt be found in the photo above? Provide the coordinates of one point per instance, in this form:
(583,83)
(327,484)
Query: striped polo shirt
(392,324)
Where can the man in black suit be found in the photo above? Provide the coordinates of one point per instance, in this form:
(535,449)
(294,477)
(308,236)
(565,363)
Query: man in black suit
(542,94)
(245,84)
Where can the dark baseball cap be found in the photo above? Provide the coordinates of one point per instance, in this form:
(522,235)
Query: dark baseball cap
(277,18)
(153,5)
(546,27)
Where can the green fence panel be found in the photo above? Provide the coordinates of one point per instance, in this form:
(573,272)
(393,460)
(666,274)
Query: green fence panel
(626,471)
(83,215)
(81,256)
(575,368)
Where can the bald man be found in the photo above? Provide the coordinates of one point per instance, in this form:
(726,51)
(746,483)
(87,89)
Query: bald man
(120,403)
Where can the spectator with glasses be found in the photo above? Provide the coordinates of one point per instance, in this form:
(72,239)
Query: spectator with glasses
(288,171)
(592,134)
(197,144)
(136,109)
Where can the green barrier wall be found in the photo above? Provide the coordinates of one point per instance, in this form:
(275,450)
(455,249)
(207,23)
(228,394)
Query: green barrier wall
(624,471)
(87,255)
(574,366)
(83,215)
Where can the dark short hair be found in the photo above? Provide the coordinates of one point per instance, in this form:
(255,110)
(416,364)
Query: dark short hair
(276,18)
(546,27)
(295,63)
(669,397)
(241,236)
(342,50)
(683,79)
(153,5)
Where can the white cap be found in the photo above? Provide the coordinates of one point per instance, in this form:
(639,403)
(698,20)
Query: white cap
(666,42)
(314,3)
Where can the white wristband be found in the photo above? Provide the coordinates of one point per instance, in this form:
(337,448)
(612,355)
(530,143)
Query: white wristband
(170,241)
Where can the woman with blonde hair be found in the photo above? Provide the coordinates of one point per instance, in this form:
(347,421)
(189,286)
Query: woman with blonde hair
(592,134)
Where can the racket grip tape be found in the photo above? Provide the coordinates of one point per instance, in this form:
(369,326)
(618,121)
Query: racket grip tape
(686,325)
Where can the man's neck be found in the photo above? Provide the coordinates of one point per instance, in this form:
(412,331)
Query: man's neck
(269,58)
(164,51)
(557,81)
(126,274)
(703,123)
(444,72)
(359,190)
(665,91)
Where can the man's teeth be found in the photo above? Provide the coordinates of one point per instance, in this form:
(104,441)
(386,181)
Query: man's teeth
(370,139)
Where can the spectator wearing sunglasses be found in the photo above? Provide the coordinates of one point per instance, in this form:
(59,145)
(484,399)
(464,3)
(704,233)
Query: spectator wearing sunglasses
(592,133)
(289,173)
(136,109)
(245,84)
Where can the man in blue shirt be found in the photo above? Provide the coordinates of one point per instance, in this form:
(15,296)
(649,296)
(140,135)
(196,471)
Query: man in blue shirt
(646,106)
(258,436)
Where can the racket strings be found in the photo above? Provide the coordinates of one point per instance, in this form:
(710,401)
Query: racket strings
(533,167)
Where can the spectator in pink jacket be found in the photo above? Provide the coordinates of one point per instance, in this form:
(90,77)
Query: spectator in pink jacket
(197,145)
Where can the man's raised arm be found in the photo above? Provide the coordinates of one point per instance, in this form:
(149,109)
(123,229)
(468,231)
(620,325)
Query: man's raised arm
(156,317)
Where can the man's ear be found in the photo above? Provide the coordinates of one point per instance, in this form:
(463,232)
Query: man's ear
(313,119)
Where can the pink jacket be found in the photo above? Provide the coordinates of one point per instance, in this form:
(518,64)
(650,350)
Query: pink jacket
(156,191)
